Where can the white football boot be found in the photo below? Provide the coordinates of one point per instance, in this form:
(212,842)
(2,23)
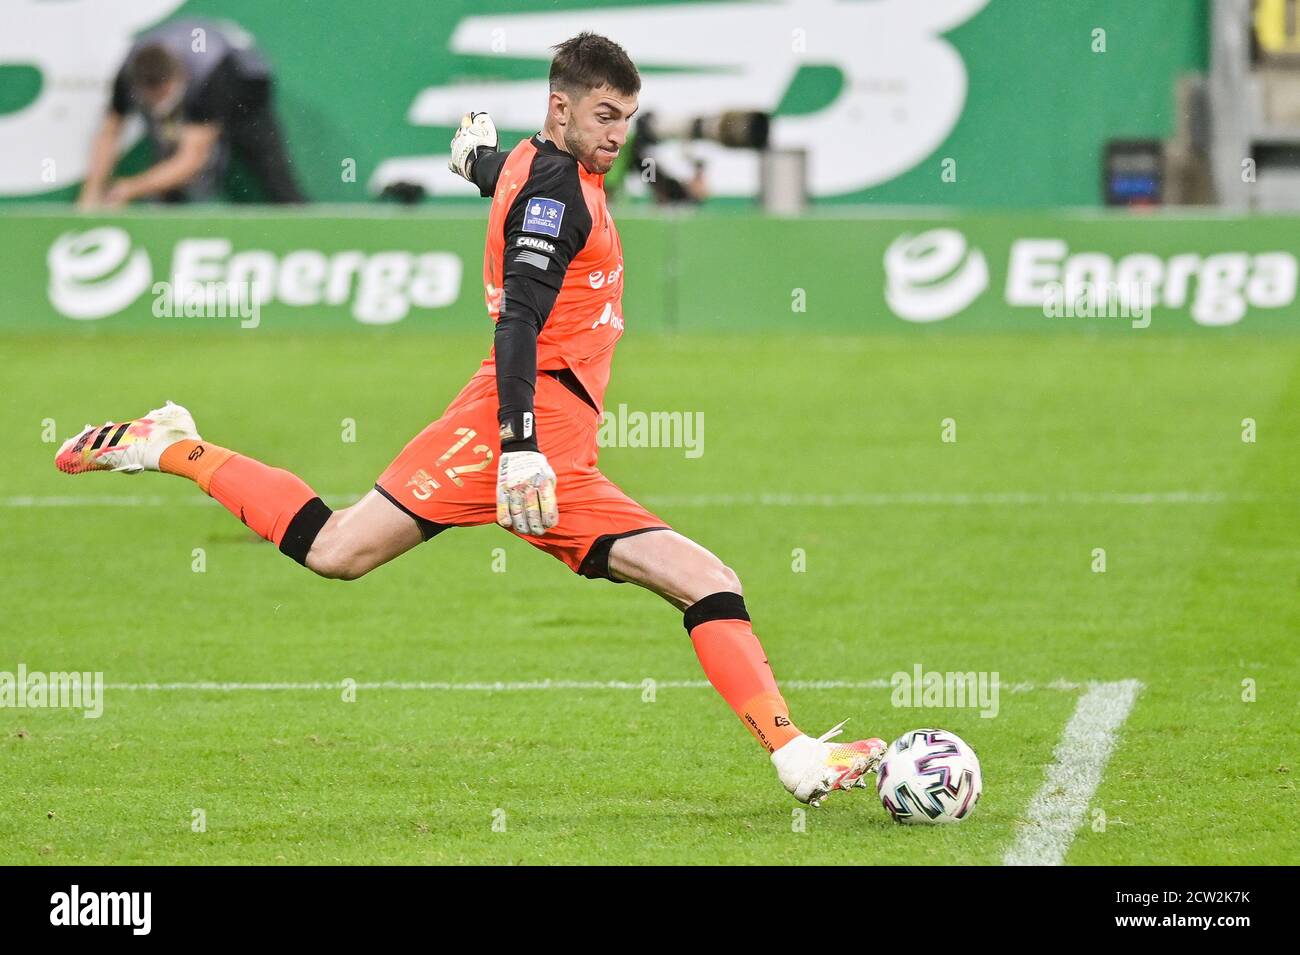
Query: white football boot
(130,446)
(810,769)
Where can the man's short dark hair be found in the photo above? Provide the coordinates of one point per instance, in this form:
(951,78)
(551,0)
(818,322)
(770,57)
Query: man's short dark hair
(152,66)
(589,61)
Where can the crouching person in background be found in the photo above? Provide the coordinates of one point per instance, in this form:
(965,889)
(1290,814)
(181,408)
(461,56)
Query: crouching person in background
(203,92)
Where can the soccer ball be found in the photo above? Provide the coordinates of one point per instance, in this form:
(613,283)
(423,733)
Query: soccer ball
(929,775)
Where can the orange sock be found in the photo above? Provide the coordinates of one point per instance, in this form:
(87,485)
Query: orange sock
(736,665)
(196,460)
(275,504)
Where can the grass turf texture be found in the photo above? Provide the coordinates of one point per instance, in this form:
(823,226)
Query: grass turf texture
(1196,598)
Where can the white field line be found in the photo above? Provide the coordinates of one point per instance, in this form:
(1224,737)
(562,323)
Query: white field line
(1058,808)
(941,499)
(515,686)
(881,499)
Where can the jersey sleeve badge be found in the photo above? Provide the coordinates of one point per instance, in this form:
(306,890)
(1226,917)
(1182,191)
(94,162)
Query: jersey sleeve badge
(544,216)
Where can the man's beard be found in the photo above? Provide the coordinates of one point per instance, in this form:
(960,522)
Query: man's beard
(579,150)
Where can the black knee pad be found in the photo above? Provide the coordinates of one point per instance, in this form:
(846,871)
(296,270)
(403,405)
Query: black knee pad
(720,606)
(303,528)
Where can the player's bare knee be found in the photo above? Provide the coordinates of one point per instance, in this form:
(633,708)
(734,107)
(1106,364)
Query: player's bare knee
(338,565)
(714,578)
(352,570)
(334,557)
(322,561)
(350,567)
(722,578)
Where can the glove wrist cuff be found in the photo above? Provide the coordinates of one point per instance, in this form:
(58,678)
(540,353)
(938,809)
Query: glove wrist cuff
(517,432)
(475,155)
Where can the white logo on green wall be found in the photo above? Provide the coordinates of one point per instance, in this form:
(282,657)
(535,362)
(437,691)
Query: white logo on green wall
(902,84)
(97,273)
(1216,288)
(937,275)
(933,276)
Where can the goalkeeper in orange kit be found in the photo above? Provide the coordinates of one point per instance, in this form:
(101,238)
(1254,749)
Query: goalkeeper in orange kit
(518,444)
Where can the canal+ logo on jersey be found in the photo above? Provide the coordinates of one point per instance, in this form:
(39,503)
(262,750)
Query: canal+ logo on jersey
(544,216)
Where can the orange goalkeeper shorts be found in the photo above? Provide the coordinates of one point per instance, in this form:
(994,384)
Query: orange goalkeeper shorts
(446,476)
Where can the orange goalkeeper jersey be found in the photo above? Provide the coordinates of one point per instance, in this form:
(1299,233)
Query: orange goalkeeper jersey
(549,220)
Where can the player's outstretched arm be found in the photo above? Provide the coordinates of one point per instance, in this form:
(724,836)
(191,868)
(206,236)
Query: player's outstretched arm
(547,225)
(525,480)
(475,156)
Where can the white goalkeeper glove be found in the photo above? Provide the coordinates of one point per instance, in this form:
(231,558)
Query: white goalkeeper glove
(526,493)
(477,131)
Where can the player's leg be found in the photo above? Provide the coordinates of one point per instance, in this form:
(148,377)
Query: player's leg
(709,593)
(274,503)
(605,534)
(357,539)
(695,581)
(673,566)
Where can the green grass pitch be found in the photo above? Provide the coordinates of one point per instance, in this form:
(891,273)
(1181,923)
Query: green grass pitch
(988,569)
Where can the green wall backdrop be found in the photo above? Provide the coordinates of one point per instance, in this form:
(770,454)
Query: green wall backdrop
(835,274)
(1040,105)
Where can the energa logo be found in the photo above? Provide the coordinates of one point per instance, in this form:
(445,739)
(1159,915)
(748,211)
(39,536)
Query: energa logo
(938,274)
(933,275)
(98,273)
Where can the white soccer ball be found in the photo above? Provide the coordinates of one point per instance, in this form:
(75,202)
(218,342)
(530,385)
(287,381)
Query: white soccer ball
(929,775)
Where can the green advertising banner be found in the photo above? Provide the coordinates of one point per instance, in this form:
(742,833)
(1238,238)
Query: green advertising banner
(985,103)
(219,271)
